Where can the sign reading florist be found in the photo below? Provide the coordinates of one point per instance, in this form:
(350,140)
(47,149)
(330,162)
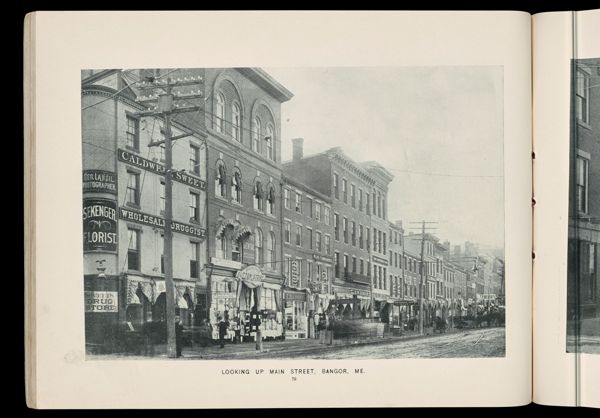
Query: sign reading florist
(99,225)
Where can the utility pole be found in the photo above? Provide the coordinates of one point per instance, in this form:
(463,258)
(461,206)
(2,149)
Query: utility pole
(164,108)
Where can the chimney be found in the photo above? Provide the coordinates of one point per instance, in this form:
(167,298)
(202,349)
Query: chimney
(297,149)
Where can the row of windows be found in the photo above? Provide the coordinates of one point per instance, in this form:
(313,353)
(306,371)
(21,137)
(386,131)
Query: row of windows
(133,191)
(260,133)
(359,198)
(314,210)
(263,198)
(320,242)
(360,236)
(357,266)
(132,142)
(314,271)
(264,249)
(134,253)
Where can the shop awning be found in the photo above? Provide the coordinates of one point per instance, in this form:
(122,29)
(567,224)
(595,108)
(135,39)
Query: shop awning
(132,297)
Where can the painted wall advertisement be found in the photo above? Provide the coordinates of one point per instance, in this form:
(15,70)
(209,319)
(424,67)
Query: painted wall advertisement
(101,301)
(99,181)
(99,225)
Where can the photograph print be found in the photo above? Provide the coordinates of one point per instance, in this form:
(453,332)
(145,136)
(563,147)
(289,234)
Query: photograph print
(300,213)
(583,280)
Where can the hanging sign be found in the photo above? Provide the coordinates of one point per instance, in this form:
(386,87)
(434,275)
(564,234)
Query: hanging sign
(295,274)
(99,225)
(99,181)
(251,276)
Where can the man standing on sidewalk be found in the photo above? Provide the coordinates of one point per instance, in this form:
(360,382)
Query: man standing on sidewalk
(223,326)
(330,326)
(178,335)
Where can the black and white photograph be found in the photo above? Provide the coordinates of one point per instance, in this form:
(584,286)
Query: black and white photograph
(309,213)
(583,290)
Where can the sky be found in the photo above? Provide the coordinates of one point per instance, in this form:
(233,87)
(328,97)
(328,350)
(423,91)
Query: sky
(438,130)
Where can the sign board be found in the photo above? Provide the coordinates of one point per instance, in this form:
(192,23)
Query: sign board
(294,274)
(99,225)
(96,301)
(379,260)
(179,176)
(251,275)
(151,220)
(99,181)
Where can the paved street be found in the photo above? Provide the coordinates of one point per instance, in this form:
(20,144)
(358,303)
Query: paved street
(484,342)
(589,337)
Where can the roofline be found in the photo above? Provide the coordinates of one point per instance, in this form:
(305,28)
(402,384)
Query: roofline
(267,82)
(292,181)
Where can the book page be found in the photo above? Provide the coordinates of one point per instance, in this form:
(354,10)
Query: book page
(429,112)
(566,298)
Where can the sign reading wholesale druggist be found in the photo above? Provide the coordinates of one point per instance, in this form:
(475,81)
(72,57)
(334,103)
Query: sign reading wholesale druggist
(101,301)
(154,167)
(99,225)
(99,181)
(151,220)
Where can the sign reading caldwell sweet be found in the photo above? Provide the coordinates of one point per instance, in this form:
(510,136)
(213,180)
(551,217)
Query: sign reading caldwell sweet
(99,181)
(99,225)
(149,165)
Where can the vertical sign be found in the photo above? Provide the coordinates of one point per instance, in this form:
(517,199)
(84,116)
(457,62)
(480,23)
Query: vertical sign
(99,225)
(294,277)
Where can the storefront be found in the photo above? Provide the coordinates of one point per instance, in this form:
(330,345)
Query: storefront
(296,303)
(239,298)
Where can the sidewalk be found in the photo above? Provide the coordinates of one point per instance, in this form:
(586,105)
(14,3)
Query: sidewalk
(278,349)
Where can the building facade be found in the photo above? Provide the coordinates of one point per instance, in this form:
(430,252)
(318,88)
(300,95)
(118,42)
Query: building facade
(584,197)
(123,210)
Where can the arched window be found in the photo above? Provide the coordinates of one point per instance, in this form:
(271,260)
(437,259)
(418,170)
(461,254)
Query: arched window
(236,187)
(258,196)
(270,140)
(220,113)
(221,247)
(271,249)
(258,247)
(221,181)
(236,122)
(256,135)
(271,201)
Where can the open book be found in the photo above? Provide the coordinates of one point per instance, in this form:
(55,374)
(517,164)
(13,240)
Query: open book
(277,204)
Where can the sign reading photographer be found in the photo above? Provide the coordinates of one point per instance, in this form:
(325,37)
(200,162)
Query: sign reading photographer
(99,225)
(99,181)
(154,167)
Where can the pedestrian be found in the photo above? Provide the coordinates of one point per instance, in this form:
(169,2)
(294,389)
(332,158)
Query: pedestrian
(323,326)
(205,333)
(178,336)
(330,327)
(317,320)
(237,329)
(223,327)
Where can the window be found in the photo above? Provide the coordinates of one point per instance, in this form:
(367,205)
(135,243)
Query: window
(337,264)
(270,140)
(256,134)
(133,188)
(384,240)
(318,243)
(271,201)
(327,244)
(368,203)
(286,198)
(194,207)
(336,226)
(309,203)
(327,215)
(258,197)
(353,231)
(582,96)
(345,264)
(375,281)
(258,247)
(345,226)
(360,237)
(318,211)
(353,264)
(383,207)
(236,250)
(368,268)
(221,247)
(194,160)
(368,238)
(287,232)
(309,269)
(310,238)
(362,266)
(194,260)
(374,203)
(383,277)
(161,149)
(345,190)
(299,235)
(133,249)
(271,248)
(162,196)
(133,133)
(236,187)
(360,200)
(236,122)
(298,203)
(336,191)
(287,265)
(220,113)
(582,184)
(375,241)
(220,181)
(353,195)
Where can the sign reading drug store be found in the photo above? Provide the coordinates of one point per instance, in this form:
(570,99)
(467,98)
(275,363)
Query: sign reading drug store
(101,301)
(99,225)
